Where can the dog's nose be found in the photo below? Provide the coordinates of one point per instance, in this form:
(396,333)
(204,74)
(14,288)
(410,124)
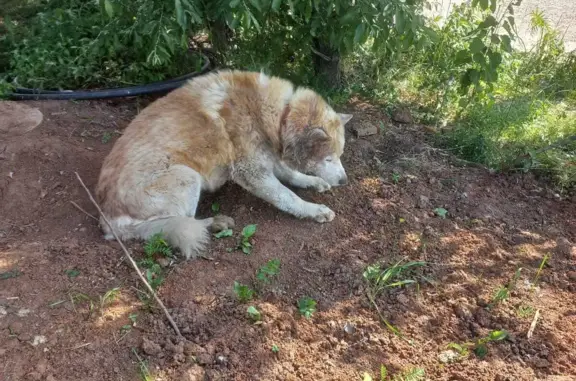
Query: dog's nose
(343,180)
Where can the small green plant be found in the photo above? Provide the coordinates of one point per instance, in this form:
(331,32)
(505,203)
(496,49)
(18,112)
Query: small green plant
(275,348)
(10,274)
(503,293)
(72,273)
(379,279)
(411,374)
(143,367)
(542,264)
(224,233)
(109,297)
(306,306)
(157,245)
(525,311)
(395,178)
(268,271)
(77,298)
(245,245)
(441,212)
(243,293)
(215,207)
(254,314)
(106,137)
(479,346)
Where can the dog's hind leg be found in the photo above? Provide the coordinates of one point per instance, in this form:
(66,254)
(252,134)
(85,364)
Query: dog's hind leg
(167,205)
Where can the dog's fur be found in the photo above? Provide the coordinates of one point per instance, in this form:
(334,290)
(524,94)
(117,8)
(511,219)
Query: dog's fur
(230,125)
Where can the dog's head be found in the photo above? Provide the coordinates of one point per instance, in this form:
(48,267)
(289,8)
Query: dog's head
(313,137)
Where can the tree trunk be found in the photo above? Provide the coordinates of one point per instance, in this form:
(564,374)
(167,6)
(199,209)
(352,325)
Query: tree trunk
(220,35)
(327,64)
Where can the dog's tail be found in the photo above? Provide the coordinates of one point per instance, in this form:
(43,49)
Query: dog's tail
(185,233)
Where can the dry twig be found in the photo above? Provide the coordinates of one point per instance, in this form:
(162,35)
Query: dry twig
(164,309)
(83,211)
(533,324)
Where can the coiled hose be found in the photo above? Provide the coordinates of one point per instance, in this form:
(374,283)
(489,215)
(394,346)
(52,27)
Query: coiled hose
(155,87)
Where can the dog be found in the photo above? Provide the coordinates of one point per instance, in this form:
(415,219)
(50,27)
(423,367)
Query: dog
(256,130)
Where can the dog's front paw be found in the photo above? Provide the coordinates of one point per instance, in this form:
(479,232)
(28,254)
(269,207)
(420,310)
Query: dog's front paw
(323,214)
(320,185)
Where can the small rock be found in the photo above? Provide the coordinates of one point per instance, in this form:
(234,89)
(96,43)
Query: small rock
(23,312)
(221,359)
(448,356)
(365,129)
(349,328)
(3,312)
(462,311)
(572,275)
(39,339)
(194,373)
(423,202)
(402,115)
(564,247)
(42,366)
(204,359)
(50,378)
(25,337)
(541,363)
(150,348)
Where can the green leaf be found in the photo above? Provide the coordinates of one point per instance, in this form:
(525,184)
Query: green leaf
(249,231)
(256,4)
(215,207)
(484,4)
(488,22)
(359,33)
(477,45)
(506,44)
(462,57)
(495,59)
(275,348)
(72,273)
(493,5)
(479,59)
(348,18)
(180,14)
(495,39)
(224,233)
(109,8)
(441,212)
(276,5)
(254,313)
(400,22)
(481,350)
(234,3)
(366,377)
(498,335)
(383,372)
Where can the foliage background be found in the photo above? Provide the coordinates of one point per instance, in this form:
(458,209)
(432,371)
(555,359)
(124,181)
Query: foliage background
(509,110)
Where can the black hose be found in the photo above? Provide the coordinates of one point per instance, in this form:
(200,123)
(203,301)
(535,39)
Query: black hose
(155,87)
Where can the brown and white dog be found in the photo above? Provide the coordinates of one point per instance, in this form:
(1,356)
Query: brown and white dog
(255,130)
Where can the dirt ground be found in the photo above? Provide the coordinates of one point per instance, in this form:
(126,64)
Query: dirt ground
(56,322)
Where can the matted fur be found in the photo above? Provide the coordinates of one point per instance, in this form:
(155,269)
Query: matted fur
(230,125)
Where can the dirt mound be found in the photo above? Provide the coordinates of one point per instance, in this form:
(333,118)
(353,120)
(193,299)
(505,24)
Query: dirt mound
(71,308)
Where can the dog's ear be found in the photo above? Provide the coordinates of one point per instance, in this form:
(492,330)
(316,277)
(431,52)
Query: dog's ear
(310,143)
(345,118)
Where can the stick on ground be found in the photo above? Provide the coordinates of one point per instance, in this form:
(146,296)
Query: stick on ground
(132,262)
(533,324)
